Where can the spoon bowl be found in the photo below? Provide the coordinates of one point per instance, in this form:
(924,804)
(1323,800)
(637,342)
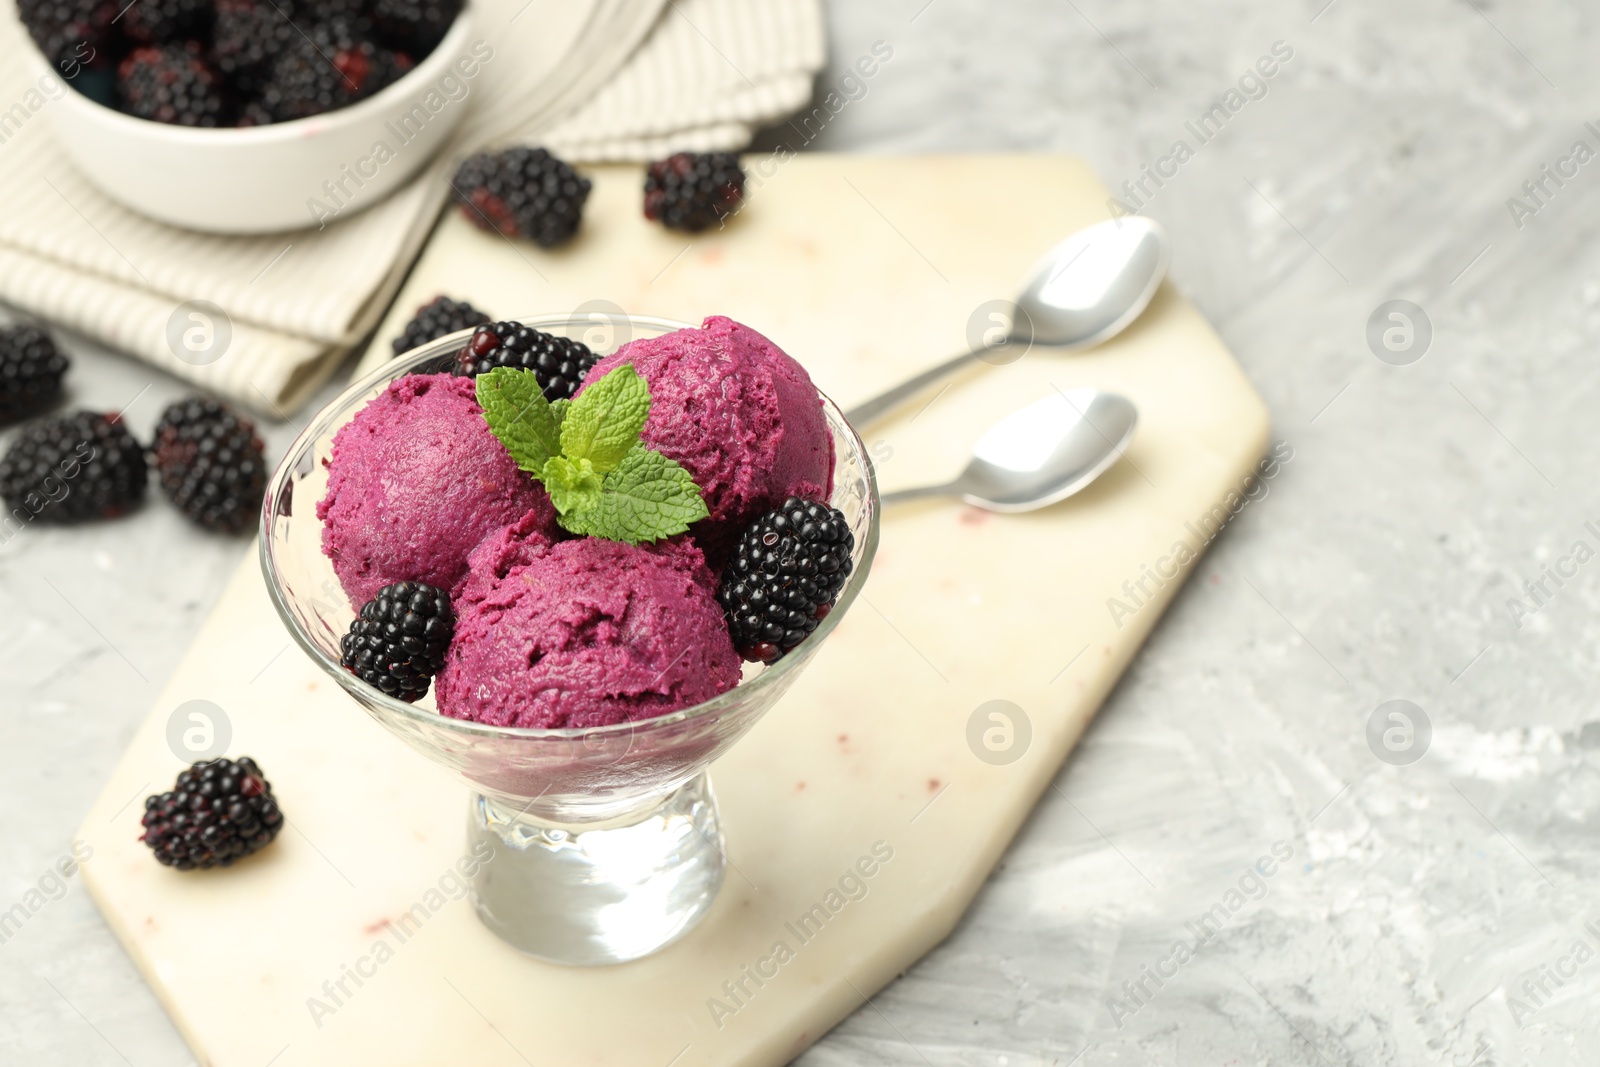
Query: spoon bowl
(1091,286)
(1041,454)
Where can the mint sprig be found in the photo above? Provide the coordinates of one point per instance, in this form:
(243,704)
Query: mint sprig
(603,424)
(514,406)
(646,491)
(573,485)
(588,454)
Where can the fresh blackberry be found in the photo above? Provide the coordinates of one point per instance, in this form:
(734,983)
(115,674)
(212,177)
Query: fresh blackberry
(211,463)
(313,13)
(85,465)
(302,83)
(31,368)
(366,65)
(331,67)
(692,191)
(171,84)
(251,113)
(785,574)
(398,642)
(72,34)
(249,35)
(164,21)
(414,26)
(217,812)
(560,363)
(522,192)
(435,319)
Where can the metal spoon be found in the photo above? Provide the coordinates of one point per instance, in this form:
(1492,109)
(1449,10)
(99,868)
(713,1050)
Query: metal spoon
(1041,454)
(1084,291)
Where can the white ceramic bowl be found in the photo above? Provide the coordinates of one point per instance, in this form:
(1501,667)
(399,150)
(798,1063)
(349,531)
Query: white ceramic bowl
(286,176)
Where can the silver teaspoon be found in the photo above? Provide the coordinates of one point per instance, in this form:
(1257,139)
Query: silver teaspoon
(1086,290)
(1041,454)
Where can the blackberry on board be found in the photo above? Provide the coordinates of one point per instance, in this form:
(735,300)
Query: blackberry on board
(85,465)
(560,363)
(397,643)
(171,84)
(211,463)
(437,318)
(786,572)
(522,192)
(31,369)
(217,812)
(165,21)
(693,191)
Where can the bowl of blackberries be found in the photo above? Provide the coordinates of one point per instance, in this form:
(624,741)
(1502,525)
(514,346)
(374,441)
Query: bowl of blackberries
(252,116)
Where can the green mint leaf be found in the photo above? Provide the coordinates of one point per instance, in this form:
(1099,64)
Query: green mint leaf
(603,423)
(647,497)
(520,416)
(574,487)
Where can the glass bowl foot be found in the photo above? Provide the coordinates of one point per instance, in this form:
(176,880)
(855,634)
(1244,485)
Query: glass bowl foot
(589,894)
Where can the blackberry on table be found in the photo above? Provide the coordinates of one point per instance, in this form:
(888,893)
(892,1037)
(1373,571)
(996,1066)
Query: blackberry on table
(693,192)
(211,463)
(171,84)
(560,363)
(435,319)
(397,643)
(217,812)
(164,21)
(85,465)
(31,368)
(330,68)
(522,192)
(414,26)
(785,575)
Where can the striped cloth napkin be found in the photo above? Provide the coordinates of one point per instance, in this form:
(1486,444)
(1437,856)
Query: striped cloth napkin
(594,80)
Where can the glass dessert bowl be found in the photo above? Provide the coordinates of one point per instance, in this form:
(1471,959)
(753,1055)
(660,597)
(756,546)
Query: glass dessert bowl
(605,841)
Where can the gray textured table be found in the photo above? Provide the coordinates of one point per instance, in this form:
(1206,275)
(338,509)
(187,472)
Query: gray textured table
(1428,912)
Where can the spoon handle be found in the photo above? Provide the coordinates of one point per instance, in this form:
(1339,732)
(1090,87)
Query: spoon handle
(901,496)
(870,410)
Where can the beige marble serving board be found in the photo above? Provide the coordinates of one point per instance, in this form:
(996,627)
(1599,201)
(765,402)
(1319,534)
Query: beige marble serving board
(865,269)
